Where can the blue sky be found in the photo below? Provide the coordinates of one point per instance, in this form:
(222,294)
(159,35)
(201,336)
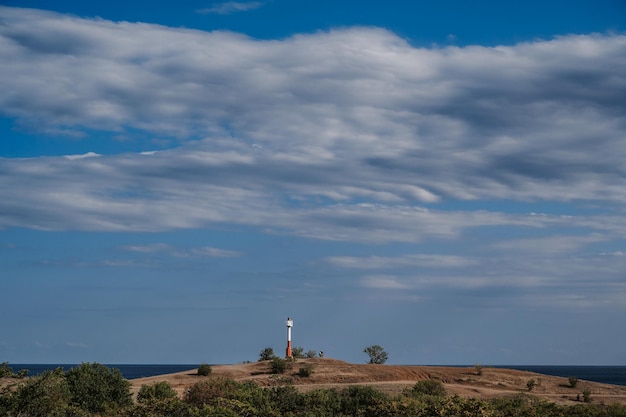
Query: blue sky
(445,179)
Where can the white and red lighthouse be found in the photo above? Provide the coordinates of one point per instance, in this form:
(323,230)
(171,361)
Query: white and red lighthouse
(289,326)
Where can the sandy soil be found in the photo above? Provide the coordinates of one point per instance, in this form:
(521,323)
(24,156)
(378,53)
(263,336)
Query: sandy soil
(392,379)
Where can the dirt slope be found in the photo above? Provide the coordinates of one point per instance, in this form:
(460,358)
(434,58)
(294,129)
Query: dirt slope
(465,382)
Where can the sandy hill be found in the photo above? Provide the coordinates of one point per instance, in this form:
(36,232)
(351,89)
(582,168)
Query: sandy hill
(465,382)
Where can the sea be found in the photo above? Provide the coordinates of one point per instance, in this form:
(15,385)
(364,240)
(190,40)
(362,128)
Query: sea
(615,375)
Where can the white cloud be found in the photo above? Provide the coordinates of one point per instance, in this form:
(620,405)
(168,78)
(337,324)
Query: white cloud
(413,260)
(83,156)
(351,135)
(211,252)
(382,282)
(231,7)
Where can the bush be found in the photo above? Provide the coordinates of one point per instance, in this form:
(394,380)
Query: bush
(306,371)
(426,387)
(266,354)
(376,354)
(207,390)
(310,354)
(5,370)
(573,381)
(279,366)
(155,392)
(205,370)
(479,369)
(95,388)
(44,395)
(587,395)
(297,352)
(531,384)
(357,398)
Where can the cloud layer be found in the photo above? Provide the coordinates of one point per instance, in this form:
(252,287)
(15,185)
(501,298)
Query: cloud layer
(349,135)
(350,124)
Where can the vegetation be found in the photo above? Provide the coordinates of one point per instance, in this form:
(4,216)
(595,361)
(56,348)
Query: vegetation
(426,387)
(531,384)
(7,372)
(96,388)
(55,394)
(297,352)
(161,391)
(573,381)
(376,354)
(306,370)
(205,369)
(267,354)
(279,366)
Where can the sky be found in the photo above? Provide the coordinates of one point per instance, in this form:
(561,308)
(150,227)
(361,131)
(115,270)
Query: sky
(446,179)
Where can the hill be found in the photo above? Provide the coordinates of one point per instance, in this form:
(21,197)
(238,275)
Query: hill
(392,379)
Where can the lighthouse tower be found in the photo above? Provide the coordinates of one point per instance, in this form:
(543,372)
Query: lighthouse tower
(289,326)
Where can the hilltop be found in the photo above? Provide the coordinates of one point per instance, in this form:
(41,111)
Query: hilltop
(392,379)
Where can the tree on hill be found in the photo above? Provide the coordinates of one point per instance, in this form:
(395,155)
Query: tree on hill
(95,387)
(376,354)
(267,354)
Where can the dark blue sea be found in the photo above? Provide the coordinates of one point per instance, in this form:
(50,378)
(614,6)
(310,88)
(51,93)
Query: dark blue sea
(615,375)
(128,371)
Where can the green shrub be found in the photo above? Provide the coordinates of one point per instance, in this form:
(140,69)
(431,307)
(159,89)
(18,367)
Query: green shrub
(573,381)
(306,370)
(360,397)
(297,352)
(267,354)
(376,354)
(5,370)
(426,387)
(203,392)
(279,366)
(45,395)
(587,395)
(205,370)
(321,402)
(479,369)
(310,354)
(96,388)
(531,384)
(155,392)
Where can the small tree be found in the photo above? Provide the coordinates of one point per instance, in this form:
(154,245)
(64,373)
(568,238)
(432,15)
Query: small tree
(279,366)
(531,384)
(306,370)
(297,352)
(479,369)
(310,354)
(266,354)
(376,354)
(45,395)
(156,392)
(205,370)
(94,387)
(6,370)
(587,395)
(573,381)
(426,387)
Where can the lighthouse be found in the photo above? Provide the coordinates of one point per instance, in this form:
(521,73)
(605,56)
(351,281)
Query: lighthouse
(289,326)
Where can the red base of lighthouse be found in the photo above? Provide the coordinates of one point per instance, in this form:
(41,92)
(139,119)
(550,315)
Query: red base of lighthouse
(288,354)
